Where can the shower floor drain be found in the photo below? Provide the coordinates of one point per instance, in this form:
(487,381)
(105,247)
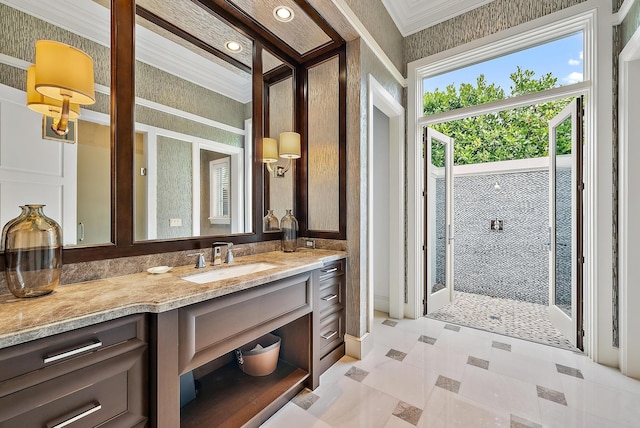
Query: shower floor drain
(495,317)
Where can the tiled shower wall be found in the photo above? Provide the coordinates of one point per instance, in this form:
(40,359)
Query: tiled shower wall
(512,263)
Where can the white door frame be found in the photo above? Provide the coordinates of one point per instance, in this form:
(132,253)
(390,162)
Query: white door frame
(594,17)
(629,208)
(384,101)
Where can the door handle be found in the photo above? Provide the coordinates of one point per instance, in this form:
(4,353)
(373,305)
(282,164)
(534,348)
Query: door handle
(450,235)
(328,335)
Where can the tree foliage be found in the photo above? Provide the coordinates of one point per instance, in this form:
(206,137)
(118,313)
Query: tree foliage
(519,133)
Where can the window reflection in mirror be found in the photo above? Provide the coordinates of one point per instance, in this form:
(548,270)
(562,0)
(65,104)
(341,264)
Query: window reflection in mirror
(72,179)
(193,111)
(279,89)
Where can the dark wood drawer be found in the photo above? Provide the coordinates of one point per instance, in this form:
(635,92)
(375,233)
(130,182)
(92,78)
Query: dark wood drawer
(210,329)
(331,269)
(331,333)
(62,348)
(330,296)
(111,392)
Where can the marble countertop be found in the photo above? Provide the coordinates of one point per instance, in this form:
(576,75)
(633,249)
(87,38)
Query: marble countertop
(77,305)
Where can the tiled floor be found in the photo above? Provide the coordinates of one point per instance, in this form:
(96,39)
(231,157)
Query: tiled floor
(523,320)
(425,373)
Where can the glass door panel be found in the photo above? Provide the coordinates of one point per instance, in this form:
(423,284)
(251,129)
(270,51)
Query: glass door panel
(565,187)
(439,208)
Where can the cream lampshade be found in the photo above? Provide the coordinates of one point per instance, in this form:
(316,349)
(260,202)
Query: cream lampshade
(63,71)
(45,105)
(290,145)
(269,150)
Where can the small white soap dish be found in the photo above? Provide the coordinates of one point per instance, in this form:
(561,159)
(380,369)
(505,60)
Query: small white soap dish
(159,269)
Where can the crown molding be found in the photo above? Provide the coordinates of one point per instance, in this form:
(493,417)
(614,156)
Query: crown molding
(412,16)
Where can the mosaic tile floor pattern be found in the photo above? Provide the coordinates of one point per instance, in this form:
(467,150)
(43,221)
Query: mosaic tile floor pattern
(427,373)
(528,321)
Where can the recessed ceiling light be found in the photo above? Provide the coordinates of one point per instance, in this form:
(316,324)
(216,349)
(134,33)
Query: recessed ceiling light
(233,46)
(283,13)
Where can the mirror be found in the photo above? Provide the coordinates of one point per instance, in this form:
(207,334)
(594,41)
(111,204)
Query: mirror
(193,161)
(72,176)
(279,117)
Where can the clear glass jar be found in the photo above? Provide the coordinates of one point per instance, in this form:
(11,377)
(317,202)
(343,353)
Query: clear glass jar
(270,222)
(33,253)
(289,227)
(6,227)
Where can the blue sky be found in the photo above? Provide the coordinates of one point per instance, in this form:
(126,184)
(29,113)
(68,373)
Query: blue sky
(563,58)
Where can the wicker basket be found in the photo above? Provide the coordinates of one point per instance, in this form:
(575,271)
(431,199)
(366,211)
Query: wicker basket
(259,357)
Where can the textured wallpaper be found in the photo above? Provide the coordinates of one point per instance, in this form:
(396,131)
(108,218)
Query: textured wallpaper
(175,192)
(376,19)
(324,147)
(483,21)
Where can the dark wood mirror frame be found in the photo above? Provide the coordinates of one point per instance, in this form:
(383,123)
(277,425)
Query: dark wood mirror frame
(123,244)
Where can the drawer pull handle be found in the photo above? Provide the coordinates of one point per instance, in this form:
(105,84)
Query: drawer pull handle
(333,269)
(328,336)
(329,297)
(84,412)
(51,358)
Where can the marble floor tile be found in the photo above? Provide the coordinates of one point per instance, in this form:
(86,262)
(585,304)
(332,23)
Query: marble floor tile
(390,323)
(448,384)
(501,345)
(551,395)
(396,355)
(378,391)
(569,371)
(403,381)
(478,362)
(408,413)
(351,404)
(452,327)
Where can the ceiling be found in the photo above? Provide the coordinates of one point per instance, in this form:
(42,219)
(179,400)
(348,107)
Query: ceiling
(412,16)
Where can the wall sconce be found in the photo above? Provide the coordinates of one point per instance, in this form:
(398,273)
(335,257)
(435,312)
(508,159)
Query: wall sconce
(63,76)
(289,149)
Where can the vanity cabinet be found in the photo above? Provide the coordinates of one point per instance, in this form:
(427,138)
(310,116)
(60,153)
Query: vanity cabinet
(329,317)
(203,337)
(92,376)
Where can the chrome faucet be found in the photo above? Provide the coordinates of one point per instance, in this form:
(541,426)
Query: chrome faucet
(200,263)
(216,253)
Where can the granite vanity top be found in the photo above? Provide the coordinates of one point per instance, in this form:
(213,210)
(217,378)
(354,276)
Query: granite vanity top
(77,305)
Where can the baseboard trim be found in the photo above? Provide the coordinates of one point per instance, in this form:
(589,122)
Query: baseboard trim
(358,347)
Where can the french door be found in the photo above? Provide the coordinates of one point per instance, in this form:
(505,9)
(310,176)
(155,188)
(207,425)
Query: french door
(565,222)
(438,153)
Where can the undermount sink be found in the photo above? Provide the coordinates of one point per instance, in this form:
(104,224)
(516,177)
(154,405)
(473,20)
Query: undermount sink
(228,272)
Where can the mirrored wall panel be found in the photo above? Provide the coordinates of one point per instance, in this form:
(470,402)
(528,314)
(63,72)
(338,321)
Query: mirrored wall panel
(193,122)
(42,159)
(279,116)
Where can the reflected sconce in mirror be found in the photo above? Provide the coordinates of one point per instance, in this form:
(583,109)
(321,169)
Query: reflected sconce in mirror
(63,76)
(289,149)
